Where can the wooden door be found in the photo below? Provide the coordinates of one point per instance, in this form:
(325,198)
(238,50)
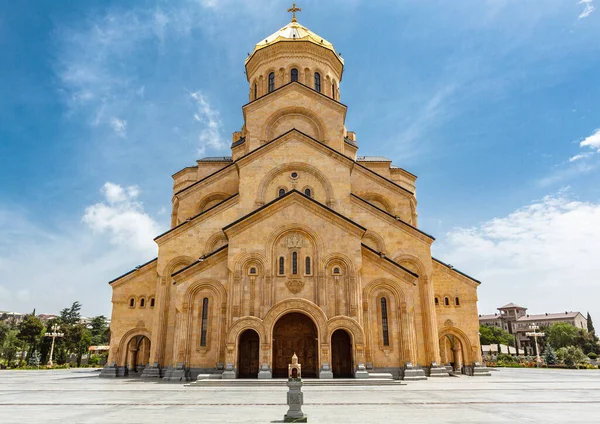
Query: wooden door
(295,333)
(341,354)
(248,355)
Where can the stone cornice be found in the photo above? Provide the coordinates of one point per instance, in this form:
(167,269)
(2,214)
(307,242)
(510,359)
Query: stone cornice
(294,86)
(294,197)
(197,219)
(203,263)
(203,182)
(390,266)
(455,273)
(136,272)
(293,49)
(388,217)
(384,181)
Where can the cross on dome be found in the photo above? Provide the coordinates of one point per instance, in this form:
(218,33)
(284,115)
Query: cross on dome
(293,10)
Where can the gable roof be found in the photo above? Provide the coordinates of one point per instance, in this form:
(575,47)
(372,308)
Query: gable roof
(510,306)
(137,268)
(289,84)
(385,258)
(285,196)
(200,260)
(450,267)
(553,316)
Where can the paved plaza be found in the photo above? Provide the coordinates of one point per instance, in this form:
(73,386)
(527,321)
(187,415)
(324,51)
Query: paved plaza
(509,396)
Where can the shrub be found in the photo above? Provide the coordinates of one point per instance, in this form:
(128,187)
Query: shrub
(571,355)
(503,357)
(593,356)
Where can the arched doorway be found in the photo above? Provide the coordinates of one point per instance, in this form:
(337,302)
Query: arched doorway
(341,354)
(452,352)
(295,333)
(138,354)
(248,348)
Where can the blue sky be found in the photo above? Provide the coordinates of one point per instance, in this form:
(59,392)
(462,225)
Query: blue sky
(494,104)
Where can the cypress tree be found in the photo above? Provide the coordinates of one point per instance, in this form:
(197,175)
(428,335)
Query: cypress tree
(590,324)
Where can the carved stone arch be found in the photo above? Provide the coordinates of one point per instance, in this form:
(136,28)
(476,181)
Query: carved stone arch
(210,200)
(340,258)
(212,285)
(303,306)
(312,235)
(296,166)
(242,260)
(243,324)
(126,338)
(413,263)
(311,118)
(289,71)
(348,324)
(377,241)
(464,341)
(175,265)
(379,201)
(218,239)
(384,283)
(308,77)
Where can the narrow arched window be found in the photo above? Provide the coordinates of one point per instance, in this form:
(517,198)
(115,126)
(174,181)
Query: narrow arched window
(307,265)
(333,91)
(294,263)
(281,192)
(308,192)
(281,265)
(253,271)
(152,302)
(142,303)
(294,75)
(318,82)
(271,81)
(446,301)
(131,302)
(456,301)
(437,302)
(255,91)
(204,327)
(384,322)
(336,270)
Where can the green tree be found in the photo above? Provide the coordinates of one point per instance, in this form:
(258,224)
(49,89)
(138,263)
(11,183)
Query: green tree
(11,346)
(571,355)
(495,335)
(588,342)
(4,329)
(30,332)
(549,355)
(98,330)
(72,315)
(77,340)
(561,334)
(590,324)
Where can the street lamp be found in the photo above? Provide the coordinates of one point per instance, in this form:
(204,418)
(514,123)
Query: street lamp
(535,335)
(54,335)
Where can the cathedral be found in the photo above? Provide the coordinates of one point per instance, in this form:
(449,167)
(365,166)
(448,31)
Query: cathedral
(294,244)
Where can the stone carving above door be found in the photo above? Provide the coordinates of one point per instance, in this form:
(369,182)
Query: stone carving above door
(295,286)
(295,241)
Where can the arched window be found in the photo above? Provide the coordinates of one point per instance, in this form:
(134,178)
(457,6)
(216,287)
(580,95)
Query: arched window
(271,81)
(255,91)
(204,328)
(281,192)
(152,302)
(132,302)
(384,322)
(253,271)
(437,302)
(294,75)
(446,301)
(318,82)
(456,301)
(308,192)
(142,303)
(336,270)
(281,265)
(307,269)
(294,263)
(333,91)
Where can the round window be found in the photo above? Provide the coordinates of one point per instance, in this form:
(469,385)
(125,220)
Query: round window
(294,175)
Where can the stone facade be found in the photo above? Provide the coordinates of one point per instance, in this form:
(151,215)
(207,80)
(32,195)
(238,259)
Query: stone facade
(294,222)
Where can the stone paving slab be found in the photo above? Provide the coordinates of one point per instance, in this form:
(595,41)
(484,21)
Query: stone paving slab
(510,395)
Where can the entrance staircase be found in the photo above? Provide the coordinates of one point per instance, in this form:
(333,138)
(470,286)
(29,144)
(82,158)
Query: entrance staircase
(375,379)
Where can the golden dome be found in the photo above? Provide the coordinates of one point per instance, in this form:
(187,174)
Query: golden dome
(293,32)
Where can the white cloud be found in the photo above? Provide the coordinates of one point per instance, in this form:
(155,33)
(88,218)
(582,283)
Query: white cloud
(119,126)
(580,156)
(588,9)
(210,136)
(123,218)
(544,255)
(592,141)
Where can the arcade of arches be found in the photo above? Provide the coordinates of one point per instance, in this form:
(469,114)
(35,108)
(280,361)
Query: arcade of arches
(293,244)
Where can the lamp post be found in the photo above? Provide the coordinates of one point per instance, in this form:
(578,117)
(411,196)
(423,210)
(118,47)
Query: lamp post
(535,335)
(54,334)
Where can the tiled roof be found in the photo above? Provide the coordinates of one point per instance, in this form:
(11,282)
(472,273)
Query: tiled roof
(350,142)
(492,316)
(542,317)
(372,159)
(216,159)
(511,305)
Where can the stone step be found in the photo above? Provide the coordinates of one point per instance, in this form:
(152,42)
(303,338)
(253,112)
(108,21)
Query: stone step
(308,382)
(381,375)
